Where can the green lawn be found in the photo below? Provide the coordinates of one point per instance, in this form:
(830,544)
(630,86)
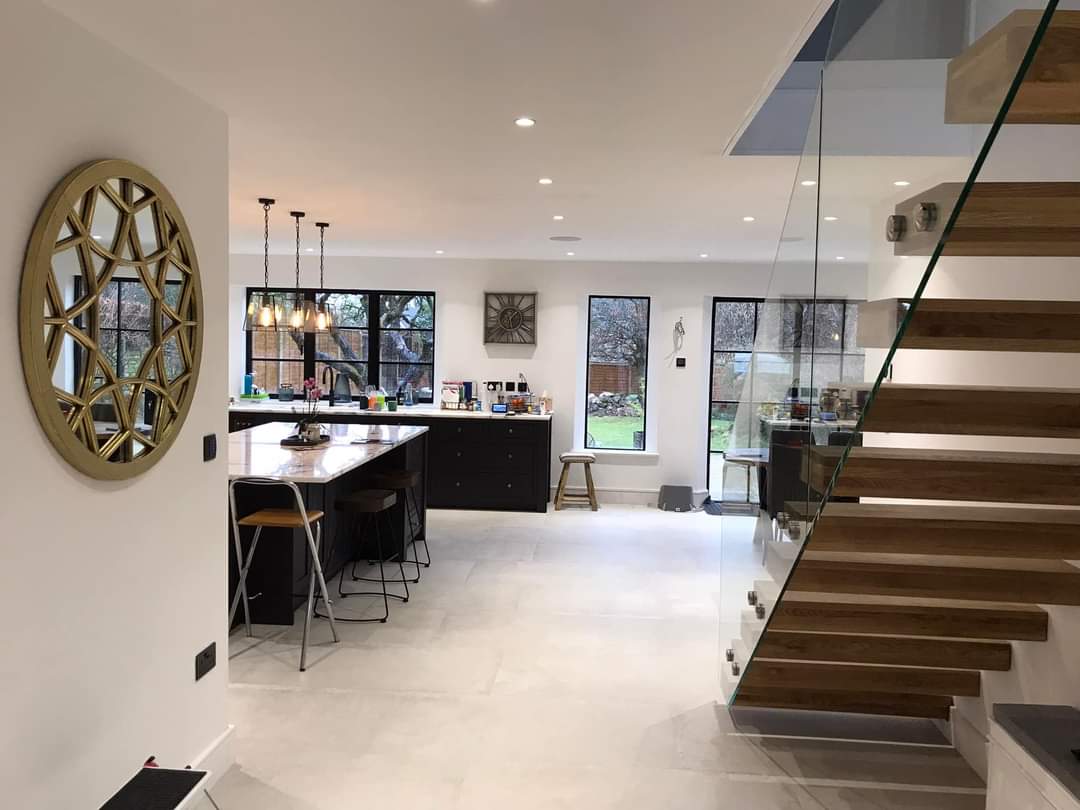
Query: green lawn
(615,432)
(720,428)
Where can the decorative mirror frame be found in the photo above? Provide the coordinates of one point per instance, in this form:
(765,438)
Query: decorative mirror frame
(40,333)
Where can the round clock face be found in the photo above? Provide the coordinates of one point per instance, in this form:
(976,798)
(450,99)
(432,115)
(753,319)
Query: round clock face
(510,318)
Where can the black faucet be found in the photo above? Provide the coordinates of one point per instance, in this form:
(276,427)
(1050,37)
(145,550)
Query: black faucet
(333,382)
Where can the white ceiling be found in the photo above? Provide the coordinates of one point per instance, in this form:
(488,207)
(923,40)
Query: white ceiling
(393,119)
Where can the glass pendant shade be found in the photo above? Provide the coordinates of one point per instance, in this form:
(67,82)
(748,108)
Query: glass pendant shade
(264,314)
(310,319)
(324,320)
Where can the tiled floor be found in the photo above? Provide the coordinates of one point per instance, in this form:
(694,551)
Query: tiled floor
(567,660)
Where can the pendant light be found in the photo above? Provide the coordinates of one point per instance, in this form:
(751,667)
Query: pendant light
(266,315)
(324,318)
(296,315)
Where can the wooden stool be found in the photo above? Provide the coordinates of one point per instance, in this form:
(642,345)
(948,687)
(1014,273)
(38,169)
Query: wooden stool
(369,505)
(561,496)
(404,483)
(299,518)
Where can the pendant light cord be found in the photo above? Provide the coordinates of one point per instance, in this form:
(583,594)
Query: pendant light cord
(322,248)
(266,245)
(297,215)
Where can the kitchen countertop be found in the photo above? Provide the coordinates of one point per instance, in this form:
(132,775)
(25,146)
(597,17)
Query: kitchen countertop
(257,452)
(415,411)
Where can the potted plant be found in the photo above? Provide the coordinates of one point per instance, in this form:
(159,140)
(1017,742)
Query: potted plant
(307,426)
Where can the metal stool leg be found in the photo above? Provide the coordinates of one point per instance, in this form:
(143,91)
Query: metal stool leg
(410,501)
(316,573)
(241,588)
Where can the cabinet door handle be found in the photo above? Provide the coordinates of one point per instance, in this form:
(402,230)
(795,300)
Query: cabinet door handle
(509,430)
(459,454)
(457,483)
(509,486)
(510,456)
(459,430)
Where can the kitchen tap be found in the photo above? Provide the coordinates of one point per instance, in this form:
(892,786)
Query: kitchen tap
(333,382)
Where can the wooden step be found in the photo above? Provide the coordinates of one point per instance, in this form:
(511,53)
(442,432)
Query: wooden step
(987,531)
(1004,580)
(997,219)
(881,649)
(980,77)
(860,678)
(860,613)
(896,705)
(974,325)
(975,410)
(957,475)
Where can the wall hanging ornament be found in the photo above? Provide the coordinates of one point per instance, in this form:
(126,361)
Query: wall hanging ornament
(110,319)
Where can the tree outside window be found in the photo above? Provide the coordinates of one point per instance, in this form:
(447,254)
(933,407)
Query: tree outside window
(618,355)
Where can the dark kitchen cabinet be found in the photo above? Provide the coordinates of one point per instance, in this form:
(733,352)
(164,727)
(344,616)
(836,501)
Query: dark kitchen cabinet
(473,463)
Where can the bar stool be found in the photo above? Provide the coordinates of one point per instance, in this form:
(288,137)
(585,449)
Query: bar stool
(368,505)
(405,482)
(279,519)
(561,495)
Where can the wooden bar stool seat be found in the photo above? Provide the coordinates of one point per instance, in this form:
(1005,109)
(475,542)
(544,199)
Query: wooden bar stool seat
(561,495)
(366,501)
(280,518)
(405,482)
(396,479)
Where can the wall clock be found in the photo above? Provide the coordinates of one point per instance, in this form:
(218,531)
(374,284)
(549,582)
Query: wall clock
(510,318)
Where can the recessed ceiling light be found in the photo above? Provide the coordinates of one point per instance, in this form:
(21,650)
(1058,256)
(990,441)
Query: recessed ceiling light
(309,250)
(545,181)
(840,258)
(747,219)
(98,236)
(570,253)
(901,183)
(831,219)
(440,252)
(558,217)
(808,183)
(525,122)
(703,255)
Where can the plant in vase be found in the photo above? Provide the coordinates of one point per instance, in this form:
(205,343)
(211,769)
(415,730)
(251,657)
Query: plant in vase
(307,426)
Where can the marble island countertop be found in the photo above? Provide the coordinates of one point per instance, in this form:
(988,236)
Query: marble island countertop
(257,452)
(414,411)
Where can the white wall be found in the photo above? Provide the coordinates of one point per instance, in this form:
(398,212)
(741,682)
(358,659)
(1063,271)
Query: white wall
(107,589)
(677,398)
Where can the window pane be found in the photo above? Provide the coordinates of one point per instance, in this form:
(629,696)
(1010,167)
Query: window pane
(407,311)
(823,371)
(172,293)
(618,359)
(773,375)
(733,327)
(355,372)
(829,329)
(284,345)
(134,305)
(722,425)
(342,344)
(395,375)
(729,374)
(133,348)
(407,346)
(851,327)
(109,306)
(349,309)
(854,368)
(269,374)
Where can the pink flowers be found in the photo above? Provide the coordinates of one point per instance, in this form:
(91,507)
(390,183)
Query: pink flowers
(312,390)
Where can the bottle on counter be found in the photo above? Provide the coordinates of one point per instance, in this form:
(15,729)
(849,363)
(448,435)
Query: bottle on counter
(409,395)
(380,399)
(372,398)
(545,402)
(400,398)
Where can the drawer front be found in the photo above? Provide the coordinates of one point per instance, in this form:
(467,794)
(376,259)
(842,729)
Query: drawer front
(508,491)
(457,432)
(510,430)
(511,458)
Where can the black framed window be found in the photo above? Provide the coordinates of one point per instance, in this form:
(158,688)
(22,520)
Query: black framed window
(379,337)
(617,372)
(775,346)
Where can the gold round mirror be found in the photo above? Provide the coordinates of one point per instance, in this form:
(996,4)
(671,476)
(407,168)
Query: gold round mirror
(110,314)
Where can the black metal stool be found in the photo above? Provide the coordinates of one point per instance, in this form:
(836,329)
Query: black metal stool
(405,482)
(364,508)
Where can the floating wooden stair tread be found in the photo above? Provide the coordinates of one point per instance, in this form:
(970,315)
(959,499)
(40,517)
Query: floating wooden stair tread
(949,530)
(909,680)
(956,475)
(997,219)
(885,650)
(908,616)
(975,410)
(894,704)
(976,325)
(980,77)
(1003,580)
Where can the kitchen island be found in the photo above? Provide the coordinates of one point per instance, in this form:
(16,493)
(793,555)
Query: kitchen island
(277,581)
(478,460)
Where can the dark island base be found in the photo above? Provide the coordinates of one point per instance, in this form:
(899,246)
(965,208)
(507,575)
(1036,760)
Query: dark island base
(278,579)
(473,463)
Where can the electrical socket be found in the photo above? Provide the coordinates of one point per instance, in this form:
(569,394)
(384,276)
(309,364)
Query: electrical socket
(205,660)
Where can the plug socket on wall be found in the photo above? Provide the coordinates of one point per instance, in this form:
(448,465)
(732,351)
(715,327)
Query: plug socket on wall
(205,660)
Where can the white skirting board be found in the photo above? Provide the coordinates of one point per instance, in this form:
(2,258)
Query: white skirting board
(632,497)
(969,742)
(217,757)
